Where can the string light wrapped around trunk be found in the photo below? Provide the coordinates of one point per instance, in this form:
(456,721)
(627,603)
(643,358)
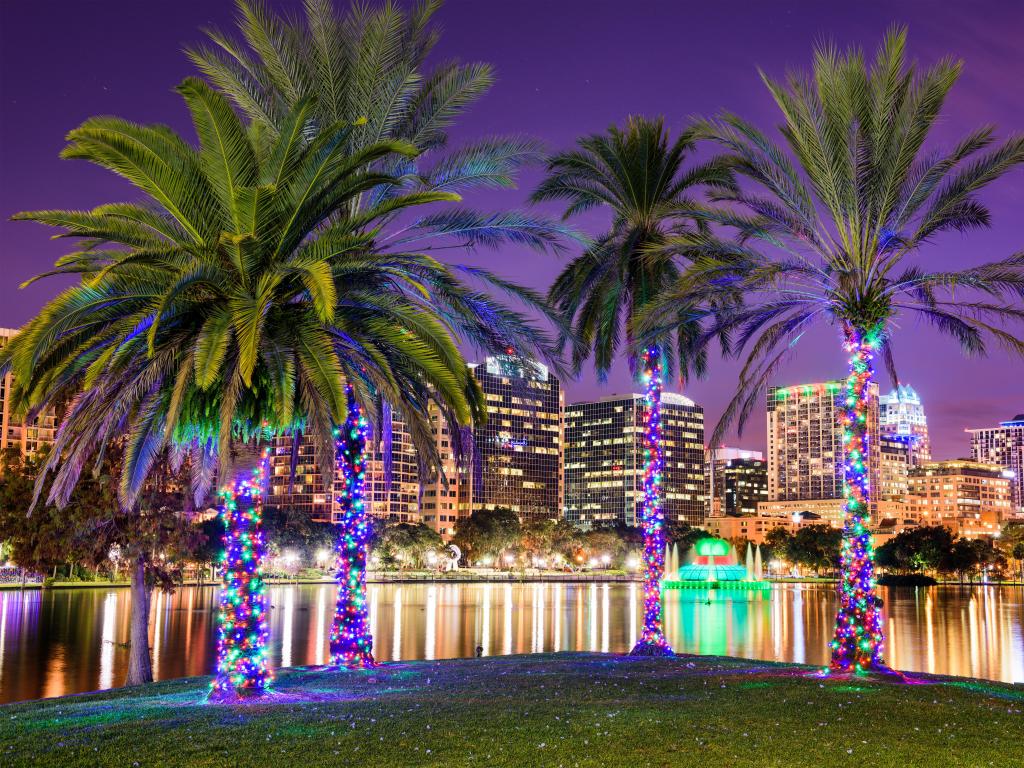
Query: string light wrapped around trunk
(351,641)
(857,643)
(242,615)
(652,640)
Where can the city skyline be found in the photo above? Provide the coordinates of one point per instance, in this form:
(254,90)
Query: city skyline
(585,93)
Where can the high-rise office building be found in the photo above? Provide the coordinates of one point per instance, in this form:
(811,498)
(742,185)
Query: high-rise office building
(901,418)
(397,501)
(1004,447)
(518,461)
(17,432)
(604,460)
(745,485)
(716,459)
(805,441)
(972,499)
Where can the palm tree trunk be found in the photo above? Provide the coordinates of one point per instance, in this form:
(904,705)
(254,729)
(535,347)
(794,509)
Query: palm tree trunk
(140,663)
(351,641)
(652,518)
(857,640)
(242,615)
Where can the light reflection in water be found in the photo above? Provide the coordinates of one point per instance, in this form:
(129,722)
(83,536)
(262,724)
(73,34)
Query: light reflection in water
(799,648)
(557,629)
(593,617)
(605,619)
(321,625)
(485,628)
(632,601)
(430,636)
(3,632)
(107,641)
(66,641)
(286,628)
(507,647)
(158,624)
(397,641)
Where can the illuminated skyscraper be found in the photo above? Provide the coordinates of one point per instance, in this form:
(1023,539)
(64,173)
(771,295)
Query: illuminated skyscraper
(604,460)
(518,462)
(27,437)
(1004,447)
(805,442)
(901,417)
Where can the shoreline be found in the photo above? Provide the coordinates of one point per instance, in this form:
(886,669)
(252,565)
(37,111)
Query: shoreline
(476,578)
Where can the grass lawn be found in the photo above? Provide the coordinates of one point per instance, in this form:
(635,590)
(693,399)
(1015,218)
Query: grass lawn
(541,710)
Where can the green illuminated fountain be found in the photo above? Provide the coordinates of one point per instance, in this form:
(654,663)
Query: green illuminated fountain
(713,567)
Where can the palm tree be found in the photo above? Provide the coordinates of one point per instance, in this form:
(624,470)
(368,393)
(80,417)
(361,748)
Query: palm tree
(636,174)
(235,302)
(371,63)
(826,234)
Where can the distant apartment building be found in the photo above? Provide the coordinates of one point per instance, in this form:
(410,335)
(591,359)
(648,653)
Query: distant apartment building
(397,501)
(821,511)
(893,470)
(901,419)
(716,460)
(448,496)
(1004,447)
(970,498)
(604,460)
(789,515)
(805,441)
(745,486)
(27,436)
(518,452)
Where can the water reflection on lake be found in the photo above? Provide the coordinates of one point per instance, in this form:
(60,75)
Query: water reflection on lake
(67,641)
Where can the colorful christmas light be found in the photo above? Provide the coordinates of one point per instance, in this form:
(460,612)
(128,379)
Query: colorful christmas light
(351,641)
(857,641)
(242,615)
(652,518)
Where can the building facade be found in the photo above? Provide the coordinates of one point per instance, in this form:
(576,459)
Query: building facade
(970,498)
(745,485)
(604,460)
(518,452)
(397,501)
(1004,447)
(805,441)
(716,459)
(894,465)
(901,419)
(27,436)
(447,497)
(821,511)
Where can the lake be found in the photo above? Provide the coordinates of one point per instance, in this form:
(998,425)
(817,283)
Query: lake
(56,642)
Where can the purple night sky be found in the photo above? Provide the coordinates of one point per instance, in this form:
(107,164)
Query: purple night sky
(565,68)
